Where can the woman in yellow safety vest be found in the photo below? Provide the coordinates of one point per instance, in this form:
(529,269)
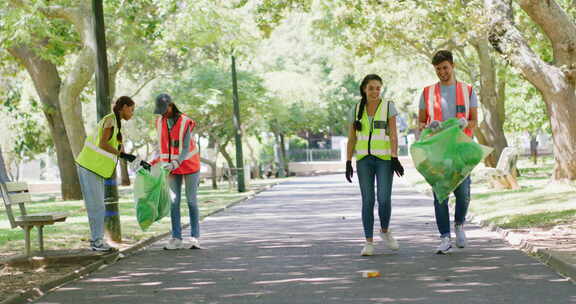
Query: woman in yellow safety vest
(373,140)
(97,162)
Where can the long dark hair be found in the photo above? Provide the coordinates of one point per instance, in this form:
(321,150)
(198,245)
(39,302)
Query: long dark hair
(365,81)
(175,111)
(120,102)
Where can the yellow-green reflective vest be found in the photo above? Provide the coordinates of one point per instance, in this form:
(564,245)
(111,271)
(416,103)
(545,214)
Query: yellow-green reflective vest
(373,139)
(96,159)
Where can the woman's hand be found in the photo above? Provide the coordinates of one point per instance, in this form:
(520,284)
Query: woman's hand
(349,171)
(396,167)
(128,157)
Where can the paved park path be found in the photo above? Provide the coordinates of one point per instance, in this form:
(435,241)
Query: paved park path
(300,242)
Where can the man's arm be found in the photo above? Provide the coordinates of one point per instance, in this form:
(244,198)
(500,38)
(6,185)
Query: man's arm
(473,118)
(421,119)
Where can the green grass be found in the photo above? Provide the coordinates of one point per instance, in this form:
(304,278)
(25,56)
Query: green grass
(496,194)
(538,203)
(74,233)
(534,219)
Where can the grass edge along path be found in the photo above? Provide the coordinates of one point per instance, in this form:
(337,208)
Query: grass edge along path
(538,203)
(74,233)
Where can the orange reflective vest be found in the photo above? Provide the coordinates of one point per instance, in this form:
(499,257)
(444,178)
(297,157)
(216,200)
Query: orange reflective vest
(434,109)
(171,144)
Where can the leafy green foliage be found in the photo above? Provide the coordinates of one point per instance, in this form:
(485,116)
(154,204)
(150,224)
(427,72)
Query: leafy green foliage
(525,111)
(269,13)
(205,94)
(30,136)
(24,25)
(340,105)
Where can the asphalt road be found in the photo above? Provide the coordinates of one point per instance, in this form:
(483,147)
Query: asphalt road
(300,242)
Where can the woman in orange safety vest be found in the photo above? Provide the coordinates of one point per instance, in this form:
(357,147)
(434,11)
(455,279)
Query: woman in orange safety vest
(179,154)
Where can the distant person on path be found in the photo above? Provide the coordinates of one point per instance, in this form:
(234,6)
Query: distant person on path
(373,140)
(446,99)
(179,154)
(97,162)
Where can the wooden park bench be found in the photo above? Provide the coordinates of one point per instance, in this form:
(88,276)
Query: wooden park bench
(17,193)
(505,174)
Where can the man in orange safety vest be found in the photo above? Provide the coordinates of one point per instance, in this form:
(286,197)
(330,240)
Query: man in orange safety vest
(446,99)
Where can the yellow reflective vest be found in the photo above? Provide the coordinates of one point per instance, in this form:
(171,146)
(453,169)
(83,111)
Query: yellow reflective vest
(96,159)
(373,139)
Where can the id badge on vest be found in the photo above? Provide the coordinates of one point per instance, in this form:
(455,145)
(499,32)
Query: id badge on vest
(381,124)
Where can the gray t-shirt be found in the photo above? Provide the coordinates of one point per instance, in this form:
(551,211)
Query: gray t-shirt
(186,140)
(448,101)
(392,112)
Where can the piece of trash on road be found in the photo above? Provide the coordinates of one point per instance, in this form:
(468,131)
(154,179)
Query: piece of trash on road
(370,273)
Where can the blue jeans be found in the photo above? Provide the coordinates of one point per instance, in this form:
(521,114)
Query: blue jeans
(93,192)
(368,169)
(462,194)
(191,185)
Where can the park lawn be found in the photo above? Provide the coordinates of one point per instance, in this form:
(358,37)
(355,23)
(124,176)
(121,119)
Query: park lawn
(538,203)
(74,233)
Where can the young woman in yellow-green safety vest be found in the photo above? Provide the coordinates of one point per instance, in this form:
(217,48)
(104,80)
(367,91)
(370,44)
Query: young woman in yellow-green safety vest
(97,161)
(374,141)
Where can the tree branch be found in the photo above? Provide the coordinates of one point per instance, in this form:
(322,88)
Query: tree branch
(507,40)
(557,25)
(145,83)
(59,12)
(50,11)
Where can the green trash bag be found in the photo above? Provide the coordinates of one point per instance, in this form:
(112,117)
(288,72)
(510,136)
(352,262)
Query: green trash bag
(151,195)
(445,156)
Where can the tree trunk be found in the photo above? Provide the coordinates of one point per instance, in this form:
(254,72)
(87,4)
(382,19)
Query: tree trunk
(3,175)
(81,70)
(283,154)
(492,106)
(534,148)
(47,83)
(227,157)
(280,153)
(213,171)
(555,81)
(561,105)
(124,176)
(254,171)
(70,184)
(70,103)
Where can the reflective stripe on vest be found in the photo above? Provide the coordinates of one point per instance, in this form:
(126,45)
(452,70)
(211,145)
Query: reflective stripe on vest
(191,162)
(188,156)
(434,109)
(96,159)
(372,139)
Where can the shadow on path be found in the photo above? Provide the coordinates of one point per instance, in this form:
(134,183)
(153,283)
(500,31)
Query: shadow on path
(300,242)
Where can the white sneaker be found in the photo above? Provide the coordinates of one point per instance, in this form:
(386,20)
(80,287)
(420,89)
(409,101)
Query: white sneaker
(368,249)
(194,243)
(461,241)
(445,245)
(174,244)
(100,245)
(389,240)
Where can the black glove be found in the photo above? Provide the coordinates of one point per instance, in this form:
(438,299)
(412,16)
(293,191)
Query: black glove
(349,171)
(145,165)
(127,157)
(397,166)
